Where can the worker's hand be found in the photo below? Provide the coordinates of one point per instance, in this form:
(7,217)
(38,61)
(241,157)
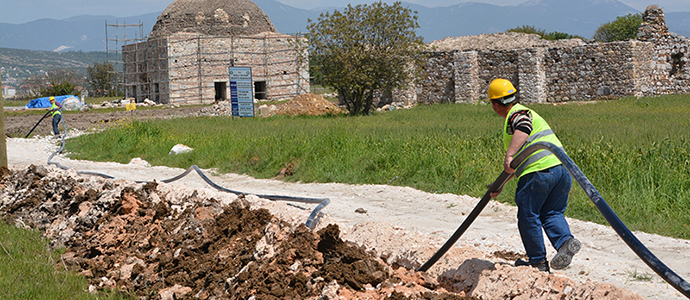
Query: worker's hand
(506,165)
(496,193)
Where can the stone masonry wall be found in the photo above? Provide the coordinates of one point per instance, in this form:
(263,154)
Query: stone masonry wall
(656,63)
(195,63)
(670,60)
(593,71)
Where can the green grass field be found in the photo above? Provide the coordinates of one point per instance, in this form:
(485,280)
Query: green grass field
(635,151)
(30,269)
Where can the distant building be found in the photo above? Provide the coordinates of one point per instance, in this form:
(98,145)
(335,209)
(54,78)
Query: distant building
(8,92)
(186,57)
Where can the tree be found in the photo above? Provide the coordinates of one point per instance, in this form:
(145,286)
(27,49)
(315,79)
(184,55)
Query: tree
(55,82)
(101,79)
(621,29)
(528,29)
(63,82)
(366,49)
(551,36)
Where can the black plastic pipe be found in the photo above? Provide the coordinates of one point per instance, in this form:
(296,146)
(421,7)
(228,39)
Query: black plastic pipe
(630,239)
(495,186)
(323,202)
(39,122)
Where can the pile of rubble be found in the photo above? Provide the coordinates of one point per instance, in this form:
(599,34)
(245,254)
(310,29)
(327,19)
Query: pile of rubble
(222,108)
(302,105)
(306,104)
(161,241)
(124,102)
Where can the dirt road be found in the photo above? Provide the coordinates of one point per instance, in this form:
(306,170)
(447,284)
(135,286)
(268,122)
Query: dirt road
(404,227)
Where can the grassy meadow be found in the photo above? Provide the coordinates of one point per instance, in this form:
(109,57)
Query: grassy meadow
(30,269)
(635,151)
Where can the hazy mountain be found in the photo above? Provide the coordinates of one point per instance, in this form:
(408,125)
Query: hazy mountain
(679,22)
(580,17)
(80,33)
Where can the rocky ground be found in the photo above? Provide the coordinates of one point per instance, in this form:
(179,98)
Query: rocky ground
(159,242)
(185,240)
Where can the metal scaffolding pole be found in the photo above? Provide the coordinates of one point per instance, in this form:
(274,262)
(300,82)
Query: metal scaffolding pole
(113,49)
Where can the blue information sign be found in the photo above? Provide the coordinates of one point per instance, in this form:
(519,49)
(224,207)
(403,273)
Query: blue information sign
(241,91)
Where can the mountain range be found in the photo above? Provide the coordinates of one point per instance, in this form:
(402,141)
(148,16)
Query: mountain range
(578,17)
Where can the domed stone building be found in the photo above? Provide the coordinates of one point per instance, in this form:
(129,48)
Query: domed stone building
(186,57)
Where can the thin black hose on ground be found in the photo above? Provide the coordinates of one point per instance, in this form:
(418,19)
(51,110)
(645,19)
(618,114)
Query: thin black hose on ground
(322,202)
(630,239)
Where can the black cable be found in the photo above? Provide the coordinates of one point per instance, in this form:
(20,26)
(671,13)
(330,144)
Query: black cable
(495,186)
(323,202)
(39,122)
(647,256)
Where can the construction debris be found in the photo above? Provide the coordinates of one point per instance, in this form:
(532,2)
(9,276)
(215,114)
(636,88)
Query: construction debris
(161,241)
(306,105)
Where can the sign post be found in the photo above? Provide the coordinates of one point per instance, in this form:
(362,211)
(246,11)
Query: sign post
(241,91)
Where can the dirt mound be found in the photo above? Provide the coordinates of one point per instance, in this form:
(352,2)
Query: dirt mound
(131,237)
(159,241)
(308,105)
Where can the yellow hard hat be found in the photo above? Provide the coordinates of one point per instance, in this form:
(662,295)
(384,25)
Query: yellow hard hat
(501,88)
(52,98)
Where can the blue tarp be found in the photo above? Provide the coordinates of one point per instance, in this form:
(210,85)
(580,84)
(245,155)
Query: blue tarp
(44,102)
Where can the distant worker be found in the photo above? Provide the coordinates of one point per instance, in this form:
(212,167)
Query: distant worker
(55,108)
(543,182)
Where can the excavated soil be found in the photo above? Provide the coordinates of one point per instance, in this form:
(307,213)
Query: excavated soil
(129,237)
(158,241)
(306,105)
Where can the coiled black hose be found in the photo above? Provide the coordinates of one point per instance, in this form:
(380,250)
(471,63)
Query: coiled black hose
(630,239)
(323,202)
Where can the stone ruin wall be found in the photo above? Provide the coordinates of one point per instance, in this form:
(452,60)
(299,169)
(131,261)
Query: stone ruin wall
(656,63)
(188,66)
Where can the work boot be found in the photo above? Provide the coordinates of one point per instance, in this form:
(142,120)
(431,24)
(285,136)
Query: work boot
(542,266)
(565,254)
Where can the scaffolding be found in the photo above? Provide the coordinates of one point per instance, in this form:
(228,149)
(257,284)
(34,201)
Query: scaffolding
(113,49)
(193,68)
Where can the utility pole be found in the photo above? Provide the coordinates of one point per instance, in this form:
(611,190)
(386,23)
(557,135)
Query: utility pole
(3,141)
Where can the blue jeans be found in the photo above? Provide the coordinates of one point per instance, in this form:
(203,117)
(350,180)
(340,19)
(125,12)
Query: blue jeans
(56,122)
(541,198)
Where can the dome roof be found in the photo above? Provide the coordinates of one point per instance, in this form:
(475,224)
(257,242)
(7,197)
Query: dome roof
(212,17)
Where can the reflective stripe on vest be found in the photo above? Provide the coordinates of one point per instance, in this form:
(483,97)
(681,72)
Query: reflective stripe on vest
(541,131)
(56,110)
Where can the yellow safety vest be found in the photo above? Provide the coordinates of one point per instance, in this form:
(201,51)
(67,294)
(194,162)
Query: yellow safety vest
(56,109)
(541,132)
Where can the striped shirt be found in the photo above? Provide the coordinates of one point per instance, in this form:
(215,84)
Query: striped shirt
(520,120)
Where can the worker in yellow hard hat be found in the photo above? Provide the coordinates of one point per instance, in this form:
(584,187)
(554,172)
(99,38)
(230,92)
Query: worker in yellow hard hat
(56,109)
(543,182)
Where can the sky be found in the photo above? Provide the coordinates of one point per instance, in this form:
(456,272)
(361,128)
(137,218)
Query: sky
(22,11)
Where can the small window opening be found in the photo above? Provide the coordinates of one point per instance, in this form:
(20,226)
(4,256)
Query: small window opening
(677,64)
(220,91)
(260,90)
(156,93)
